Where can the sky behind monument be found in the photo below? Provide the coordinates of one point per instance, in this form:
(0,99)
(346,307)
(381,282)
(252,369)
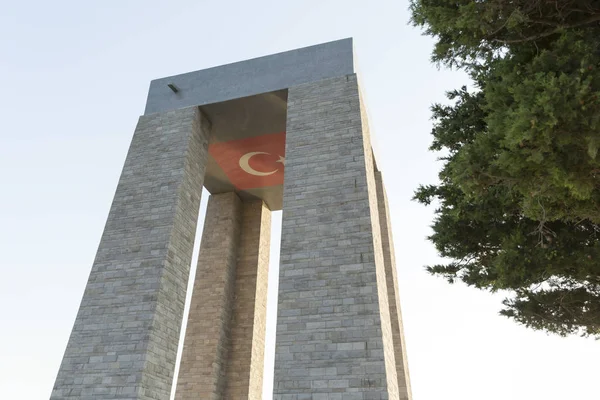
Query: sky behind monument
(74,78)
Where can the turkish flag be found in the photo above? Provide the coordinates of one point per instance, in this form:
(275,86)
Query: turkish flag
(252,162)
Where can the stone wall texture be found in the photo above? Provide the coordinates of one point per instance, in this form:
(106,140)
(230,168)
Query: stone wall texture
(334,335)
(124,341)
(245,364)
(223,353)
(404,390)
(207,337)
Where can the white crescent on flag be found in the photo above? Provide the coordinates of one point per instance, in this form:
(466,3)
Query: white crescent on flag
(244,164)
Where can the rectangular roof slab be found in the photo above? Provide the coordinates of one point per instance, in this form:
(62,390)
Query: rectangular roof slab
(251,77)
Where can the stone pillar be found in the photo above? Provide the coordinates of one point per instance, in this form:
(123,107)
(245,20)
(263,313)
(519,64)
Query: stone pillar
(389,259)
(224,341)
(246,358)
(124,341)
(334,336)
(207,336)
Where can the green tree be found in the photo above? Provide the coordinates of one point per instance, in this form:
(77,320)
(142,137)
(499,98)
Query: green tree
(519,192)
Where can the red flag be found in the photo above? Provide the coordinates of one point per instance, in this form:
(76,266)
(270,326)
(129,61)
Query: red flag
(252,162)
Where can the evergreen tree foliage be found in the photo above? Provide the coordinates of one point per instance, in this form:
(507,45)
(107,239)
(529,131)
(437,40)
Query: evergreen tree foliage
(519,192)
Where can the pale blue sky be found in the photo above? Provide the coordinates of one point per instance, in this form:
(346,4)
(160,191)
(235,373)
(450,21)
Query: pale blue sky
(74,77)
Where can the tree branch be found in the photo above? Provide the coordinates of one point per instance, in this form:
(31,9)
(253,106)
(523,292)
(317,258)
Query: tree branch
(592,19)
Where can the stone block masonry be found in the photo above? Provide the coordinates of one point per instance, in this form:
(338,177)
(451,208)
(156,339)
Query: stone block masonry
(404,390)
(334,335)
(124,341)
(223,353)
(245,364)
(207,336)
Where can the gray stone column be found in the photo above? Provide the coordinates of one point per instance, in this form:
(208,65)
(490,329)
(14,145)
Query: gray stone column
(207,335)
(245,364)
(224,340)
(124,341)
(389,258)
(334,336)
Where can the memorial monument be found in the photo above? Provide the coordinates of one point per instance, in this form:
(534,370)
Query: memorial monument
(287,131)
